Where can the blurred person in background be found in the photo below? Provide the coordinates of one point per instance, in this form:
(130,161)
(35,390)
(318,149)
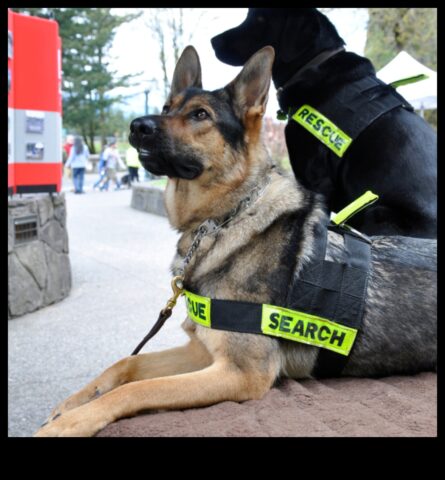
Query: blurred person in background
(133,164)
(111,156)
(102,170)
(77,161)
(67,147)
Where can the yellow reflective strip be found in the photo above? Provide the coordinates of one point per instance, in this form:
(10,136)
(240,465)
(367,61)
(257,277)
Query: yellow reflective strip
(285,323)
(323,129)
(198,308)
(305,328)
(356,206)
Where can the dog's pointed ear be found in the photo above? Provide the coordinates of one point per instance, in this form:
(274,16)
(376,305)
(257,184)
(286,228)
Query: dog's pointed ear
(187,72)
(251,86)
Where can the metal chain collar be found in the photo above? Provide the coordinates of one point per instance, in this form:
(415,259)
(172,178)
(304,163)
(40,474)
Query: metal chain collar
(211,226)
(208,227)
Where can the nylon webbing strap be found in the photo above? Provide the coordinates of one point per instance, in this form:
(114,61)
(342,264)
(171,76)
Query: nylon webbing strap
(324,305)
(409,80)
(349,296)
(338,120)
(272,320)
(368,198)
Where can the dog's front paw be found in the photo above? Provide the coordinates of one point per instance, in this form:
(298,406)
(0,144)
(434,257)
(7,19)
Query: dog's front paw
(80,422)
(74,401)
(55,414)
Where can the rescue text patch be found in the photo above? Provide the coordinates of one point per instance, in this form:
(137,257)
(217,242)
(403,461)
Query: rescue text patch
(322,128)
(198,308)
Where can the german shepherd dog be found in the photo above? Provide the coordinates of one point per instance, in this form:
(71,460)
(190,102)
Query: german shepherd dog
(395,157)
(209,144)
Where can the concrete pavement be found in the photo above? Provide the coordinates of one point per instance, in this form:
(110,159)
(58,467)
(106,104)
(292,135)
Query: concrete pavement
(120,260)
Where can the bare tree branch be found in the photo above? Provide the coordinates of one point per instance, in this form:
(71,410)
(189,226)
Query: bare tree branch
(169,28)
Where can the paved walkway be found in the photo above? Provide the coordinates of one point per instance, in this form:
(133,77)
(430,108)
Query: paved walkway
(120,260)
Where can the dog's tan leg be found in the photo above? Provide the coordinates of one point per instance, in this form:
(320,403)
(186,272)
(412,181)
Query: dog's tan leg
(190,357)
(219,382)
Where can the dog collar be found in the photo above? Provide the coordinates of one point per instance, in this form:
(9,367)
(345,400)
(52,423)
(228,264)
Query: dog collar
(317,60)
(212,225)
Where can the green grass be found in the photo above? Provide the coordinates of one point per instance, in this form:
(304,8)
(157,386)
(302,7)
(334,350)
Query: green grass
(160,182)
(122,147)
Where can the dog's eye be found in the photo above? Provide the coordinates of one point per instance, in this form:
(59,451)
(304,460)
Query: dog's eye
(165,109)
(200,114)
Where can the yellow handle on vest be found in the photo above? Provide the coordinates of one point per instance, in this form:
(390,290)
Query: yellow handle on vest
(408,80)
(356,206)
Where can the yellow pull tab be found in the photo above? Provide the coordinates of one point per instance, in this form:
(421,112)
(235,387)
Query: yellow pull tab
(356,206)
(408,80)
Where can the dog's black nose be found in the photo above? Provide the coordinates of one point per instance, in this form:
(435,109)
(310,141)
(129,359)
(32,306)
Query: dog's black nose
(143,126)
(217,42)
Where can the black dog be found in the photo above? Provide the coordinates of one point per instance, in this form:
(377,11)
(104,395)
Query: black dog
(393,150)
(125,180)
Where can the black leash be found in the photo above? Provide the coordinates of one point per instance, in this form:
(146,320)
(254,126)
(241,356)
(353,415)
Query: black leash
(177,286)
(163,315)
(208,227)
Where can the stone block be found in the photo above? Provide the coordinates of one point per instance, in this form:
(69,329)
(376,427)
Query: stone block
(148,199)
(10,233)
(55,236)
(59,276)
(45,208)
(58,199)
(39,269)
(24,294)
(20,210)
(60,214)
(32,257)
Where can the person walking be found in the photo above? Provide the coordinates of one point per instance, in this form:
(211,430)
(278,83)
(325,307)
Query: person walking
(67,147)
(77,161)
(111,156)
(133,164)
(102,170)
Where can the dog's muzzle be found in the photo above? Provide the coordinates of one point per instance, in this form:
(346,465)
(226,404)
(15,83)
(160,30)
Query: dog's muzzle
(157,153)
(142,133)
(144,137)
(143,126)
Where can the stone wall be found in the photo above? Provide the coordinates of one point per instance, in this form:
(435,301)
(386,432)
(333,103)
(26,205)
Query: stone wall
(148,199)
(39,270)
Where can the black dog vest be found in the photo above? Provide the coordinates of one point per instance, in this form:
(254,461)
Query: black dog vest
(338,120)
(324,305)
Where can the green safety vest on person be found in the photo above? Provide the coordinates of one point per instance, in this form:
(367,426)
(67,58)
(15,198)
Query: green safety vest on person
(314,322)
(132,158)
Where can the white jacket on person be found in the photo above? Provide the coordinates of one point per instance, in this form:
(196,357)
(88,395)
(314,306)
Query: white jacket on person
(78,161)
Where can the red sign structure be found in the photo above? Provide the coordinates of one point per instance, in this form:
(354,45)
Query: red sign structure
(34,105)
